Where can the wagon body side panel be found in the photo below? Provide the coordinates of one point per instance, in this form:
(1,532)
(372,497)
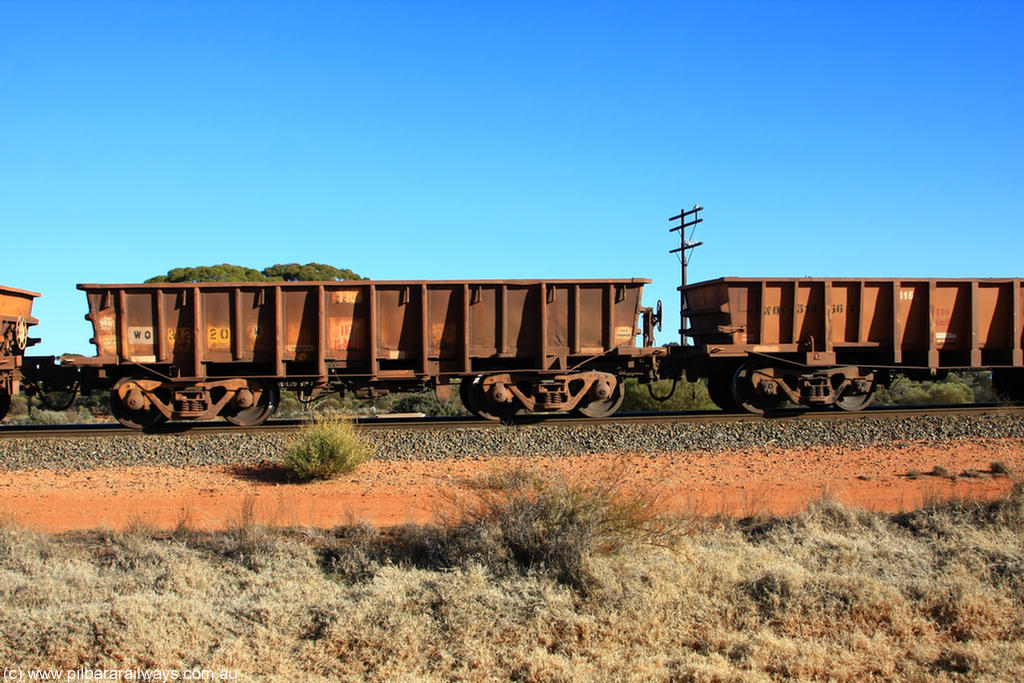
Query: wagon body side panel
(897,323)
(367,331)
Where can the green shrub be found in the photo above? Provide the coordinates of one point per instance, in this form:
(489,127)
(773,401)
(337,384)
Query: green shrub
(51,417)
(953,389)
(399,402)
(289,407)
(331,404)
(325,447)
(426,402)
(19,406)
(687,396)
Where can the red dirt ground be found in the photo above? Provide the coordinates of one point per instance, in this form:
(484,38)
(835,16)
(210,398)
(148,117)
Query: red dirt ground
(386,493)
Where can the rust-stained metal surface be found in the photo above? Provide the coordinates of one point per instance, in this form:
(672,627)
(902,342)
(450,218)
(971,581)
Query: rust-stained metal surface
(916,323)
(17,303)
(368,337)
(363,328)
(829,341)
(15,320)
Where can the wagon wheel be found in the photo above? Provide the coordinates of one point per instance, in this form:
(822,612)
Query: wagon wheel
(745,392)
(480,405)
(466,394)
(265,405)
(133,419)
(720,393)
(5,402)
(860,401)
(602,407)
(20,335)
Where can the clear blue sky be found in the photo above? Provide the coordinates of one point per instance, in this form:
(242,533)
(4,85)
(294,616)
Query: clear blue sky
(449,140)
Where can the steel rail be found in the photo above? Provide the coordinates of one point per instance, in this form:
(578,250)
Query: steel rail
(412,422)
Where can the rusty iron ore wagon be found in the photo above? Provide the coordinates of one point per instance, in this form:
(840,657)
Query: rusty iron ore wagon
(15,319)
(820,342)
(196,351)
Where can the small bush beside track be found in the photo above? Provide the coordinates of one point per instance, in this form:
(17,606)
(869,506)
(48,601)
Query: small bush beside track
(324,448)
(522,521)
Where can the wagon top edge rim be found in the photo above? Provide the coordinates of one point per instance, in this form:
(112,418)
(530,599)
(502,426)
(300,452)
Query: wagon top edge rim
(22,292)
(916,280)
(302,284)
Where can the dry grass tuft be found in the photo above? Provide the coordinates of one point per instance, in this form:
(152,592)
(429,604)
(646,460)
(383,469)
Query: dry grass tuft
(250,538)
(529,521)
(324,448)
(520,522)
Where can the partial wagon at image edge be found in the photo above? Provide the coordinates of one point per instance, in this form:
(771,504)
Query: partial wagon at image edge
(15,320)
(819,342)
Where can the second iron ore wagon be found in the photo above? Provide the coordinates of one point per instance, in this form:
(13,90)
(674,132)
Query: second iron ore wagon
(821,341)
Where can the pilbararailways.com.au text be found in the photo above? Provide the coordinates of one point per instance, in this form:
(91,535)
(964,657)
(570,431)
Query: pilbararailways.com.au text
(16,674)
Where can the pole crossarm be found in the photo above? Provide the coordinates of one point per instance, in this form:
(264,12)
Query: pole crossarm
(688,218)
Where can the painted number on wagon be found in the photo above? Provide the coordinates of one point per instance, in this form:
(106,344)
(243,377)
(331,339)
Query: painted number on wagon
(218,337)
(179,337)
(808,308)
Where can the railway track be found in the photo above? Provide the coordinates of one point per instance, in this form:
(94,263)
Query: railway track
(419,422)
